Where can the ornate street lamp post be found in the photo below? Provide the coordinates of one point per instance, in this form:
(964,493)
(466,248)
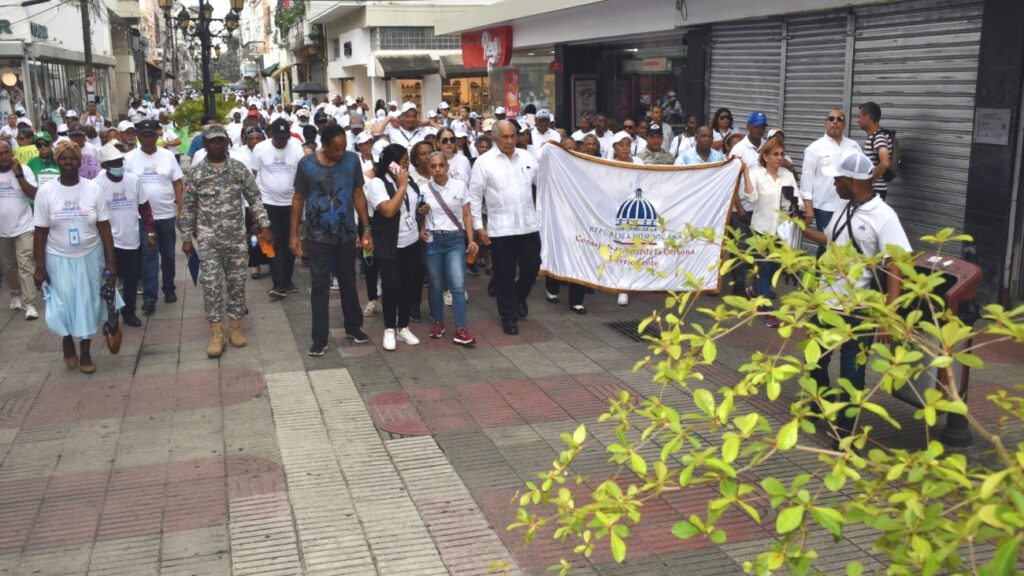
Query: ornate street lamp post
(203,30)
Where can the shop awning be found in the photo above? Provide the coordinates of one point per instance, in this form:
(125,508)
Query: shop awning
(156,68)
(406,65)
(280,70)
(269,70)
(451,67)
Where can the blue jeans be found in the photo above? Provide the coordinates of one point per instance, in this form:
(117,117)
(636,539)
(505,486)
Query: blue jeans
(821,220)
(848,368)
(165,240)
(765,272)
(445,260)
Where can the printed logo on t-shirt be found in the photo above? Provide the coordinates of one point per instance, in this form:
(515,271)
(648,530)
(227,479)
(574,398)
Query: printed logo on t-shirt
(7,191)
(71,211)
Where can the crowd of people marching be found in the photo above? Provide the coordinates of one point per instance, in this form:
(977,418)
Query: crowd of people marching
(411,198)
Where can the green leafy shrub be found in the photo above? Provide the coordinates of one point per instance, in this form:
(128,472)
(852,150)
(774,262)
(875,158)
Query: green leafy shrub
(930,510)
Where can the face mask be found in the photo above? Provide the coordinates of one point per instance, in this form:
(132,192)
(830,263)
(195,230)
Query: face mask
(116,172)
(303,124)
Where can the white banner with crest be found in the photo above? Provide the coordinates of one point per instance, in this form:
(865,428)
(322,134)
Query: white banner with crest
(587,203)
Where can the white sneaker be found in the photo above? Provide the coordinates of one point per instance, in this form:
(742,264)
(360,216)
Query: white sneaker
(371,309)
(30,312)
(389,339)
(334,285)
(447,298)
(16,303)
(406,335)
(467,296)
(623,300)
(138,289)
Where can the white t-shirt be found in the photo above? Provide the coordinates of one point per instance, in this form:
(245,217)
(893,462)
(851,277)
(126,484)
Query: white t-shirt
(455,195)
(15,211)
(157,173)
(275,170)
(71,214)
(874,225)
(459,168)
(123,199)
(377,194)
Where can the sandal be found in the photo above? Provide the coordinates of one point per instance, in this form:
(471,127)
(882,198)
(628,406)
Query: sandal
(70,360)
(87,368)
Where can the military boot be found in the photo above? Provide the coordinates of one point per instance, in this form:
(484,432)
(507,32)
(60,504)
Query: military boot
(216,347)
(235,332)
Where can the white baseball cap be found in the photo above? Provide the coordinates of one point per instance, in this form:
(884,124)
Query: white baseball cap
(443,106)
(621,135)
(407,106)
(125,125)
(71,113)
(499,110)
(460,131)
(363,137)
(851,164)
(393,104)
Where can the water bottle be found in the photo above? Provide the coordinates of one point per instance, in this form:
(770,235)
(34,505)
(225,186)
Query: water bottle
(253,241)
(44,290)
(430,236)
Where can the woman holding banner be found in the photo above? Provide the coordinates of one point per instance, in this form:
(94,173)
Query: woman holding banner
(765,188)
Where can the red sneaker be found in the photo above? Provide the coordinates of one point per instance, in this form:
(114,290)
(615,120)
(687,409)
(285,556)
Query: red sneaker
(463,338)
(771,321)
(438,330)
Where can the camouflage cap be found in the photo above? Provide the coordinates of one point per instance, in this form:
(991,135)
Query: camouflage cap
(211,131)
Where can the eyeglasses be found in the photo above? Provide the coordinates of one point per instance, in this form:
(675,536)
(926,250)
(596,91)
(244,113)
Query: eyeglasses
(729,118)
(836,119)
(629,126)
(449,140)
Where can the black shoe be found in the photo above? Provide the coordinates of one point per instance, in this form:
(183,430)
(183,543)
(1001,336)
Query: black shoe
(277,293)
(359,336)
(588,290)
(131,320)
(170,298)
(415,315)
(148,306)
(552,298)
(579,309)
(510,327)
(291,289)
(491,289)
(523,310)
(317,349)
(472,269)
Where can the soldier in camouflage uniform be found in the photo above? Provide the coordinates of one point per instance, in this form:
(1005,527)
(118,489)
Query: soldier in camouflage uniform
(212,212)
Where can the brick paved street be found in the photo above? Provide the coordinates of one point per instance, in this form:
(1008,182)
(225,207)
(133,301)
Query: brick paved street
(359,462)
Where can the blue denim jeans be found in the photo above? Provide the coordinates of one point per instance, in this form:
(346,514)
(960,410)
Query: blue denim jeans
(821,220)
(445,260)
(765,272)
(166,237)
(848,368)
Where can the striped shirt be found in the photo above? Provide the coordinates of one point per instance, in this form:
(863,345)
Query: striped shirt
(872,144)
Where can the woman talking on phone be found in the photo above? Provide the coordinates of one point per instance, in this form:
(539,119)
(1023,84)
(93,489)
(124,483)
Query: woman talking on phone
(394,195)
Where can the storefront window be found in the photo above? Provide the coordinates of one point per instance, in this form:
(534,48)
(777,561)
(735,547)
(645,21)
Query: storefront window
(536,84)
(473,92)
(411,90)
(635,77)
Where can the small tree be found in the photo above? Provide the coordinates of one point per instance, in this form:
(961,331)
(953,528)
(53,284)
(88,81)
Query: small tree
(190,112)
(930,509)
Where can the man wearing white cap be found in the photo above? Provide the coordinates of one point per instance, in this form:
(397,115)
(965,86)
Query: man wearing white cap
(126,204)
(499,113)
(442,114)
(543,133)
(864,220)
(408,131)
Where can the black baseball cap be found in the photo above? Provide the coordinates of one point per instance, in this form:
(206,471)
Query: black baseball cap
(280,127)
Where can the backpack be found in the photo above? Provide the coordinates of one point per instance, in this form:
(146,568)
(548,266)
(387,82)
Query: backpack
(895,158)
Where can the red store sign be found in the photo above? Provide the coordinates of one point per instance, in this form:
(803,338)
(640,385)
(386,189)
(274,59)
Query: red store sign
(492,46)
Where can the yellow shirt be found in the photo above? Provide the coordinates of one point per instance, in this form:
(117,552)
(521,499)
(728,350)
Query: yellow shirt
(25,153)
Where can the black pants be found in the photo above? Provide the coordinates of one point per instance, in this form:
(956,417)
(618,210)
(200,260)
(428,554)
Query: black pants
(282,265)
(128,271)
(576,291)
(321,257)
(398,283)
(508,253)
(256,255)
(372,271)
(739,272)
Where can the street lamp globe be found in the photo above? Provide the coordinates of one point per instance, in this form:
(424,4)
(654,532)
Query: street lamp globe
(237,5)
(184,20)
(207,12)
(231,21)
(165,4)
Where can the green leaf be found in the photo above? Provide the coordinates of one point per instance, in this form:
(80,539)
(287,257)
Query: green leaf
(970,360)
(788,435)
(854,569)
(580,434)
(1006,557)
(988,487)
(773,487)
(789,519)
(829,518)
(710,351)
(731,448)
(618,548)
(705,400)
(638,464)
(718,536)
(684,530)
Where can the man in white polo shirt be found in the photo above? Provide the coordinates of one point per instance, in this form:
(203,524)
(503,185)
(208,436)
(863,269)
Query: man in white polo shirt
(816,188)
(408,132)
(160,178)
(543,132)
(275,162)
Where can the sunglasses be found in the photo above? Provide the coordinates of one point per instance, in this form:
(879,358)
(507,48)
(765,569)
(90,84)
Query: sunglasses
(729,118)
(628,126)
(43,143)
(836,119)
(449,140)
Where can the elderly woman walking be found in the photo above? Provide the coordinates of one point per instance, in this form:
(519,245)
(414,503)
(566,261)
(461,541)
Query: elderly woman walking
(74,252)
